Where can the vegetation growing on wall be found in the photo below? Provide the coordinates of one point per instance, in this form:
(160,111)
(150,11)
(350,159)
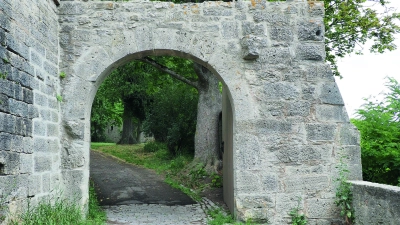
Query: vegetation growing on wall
(379,124)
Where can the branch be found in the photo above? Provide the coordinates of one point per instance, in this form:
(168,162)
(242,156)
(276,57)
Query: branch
(169,71)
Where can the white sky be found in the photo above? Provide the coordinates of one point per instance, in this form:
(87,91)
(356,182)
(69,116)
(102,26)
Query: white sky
(364,75)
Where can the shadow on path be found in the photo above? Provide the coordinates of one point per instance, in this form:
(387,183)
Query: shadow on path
(120,183)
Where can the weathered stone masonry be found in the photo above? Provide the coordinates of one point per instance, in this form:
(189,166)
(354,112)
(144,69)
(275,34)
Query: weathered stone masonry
(29,112)
(288,118)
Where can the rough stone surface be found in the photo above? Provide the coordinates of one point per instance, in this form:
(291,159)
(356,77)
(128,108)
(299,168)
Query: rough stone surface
(289,120)
(376,203)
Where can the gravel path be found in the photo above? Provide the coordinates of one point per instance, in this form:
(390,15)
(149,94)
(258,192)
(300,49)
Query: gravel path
(134,195)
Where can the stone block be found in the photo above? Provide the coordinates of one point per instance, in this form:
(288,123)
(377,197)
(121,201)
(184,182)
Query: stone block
(276,55)
(230,30)
(5,141)
(27,96)
(72,181)
(46,183)
(279,33)
(34,185)
(39,127)
(40,99)
(17,144)
(307,183)
(249,28)
(349,135)
(41,144)
(330,94)
(311,52)
(287,201)
(272,18)
(72,155)
(28,145)
(281,91)
(10,162)
(322,208)
(269,183)
(311,31)
(256,202)
(42,163)
(52,130)
(320,132)
(248,182)
(331,113)
(33,111)
(273,126)
(71,8)
(217,12)
(320,72)
(18,108)
(249,153)
(4,105)
(26,163)
(299,108)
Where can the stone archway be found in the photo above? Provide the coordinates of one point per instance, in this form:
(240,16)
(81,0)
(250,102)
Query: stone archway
(289,123)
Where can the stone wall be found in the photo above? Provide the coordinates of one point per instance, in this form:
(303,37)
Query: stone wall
(376,203)
(289,124)
(29,111)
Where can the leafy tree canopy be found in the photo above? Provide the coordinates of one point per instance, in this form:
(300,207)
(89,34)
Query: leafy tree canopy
(379,125)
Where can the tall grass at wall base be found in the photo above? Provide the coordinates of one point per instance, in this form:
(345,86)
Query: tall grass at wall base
(62,212)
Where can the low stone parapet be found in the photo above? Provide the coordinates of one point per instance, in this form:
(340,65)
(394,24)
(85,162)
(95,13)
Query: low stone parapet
(376,203)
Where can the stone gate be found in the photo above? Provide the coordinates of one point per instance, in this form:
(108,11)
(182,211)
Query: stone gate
(285,124)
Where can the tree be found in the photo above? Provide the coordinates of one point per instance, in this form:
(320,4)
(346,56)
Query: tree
(208,108)
(172,116)
(379,125)
(127,85)
(350,24)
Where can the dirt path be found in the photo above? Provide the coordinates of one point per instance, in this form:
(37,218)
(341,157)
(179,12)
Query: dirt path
(134,195)
(119,183)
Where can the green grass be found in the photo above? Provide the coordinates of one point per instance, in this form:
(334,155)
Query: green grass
(219,217)
(97,145)
(62,212)
(161,161)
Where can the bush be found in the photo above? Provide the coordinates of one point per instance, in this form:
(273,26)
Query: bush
(379,125)
(154,146)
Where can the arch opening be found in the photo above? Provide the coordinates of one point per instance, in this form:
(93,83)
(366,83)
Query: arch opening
(227,117)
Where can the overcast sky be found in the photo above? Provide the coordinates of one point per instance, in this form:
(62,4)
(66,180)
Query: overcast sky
(364,75)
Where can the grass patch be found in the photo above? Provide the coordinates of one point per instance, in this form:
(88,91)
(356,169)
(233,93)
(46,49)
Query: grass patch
(62,212)
(220,217)
(97,145)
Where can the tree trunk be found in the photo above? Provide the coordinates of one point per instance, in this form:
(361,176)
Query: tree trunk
(208,109)
(128,127)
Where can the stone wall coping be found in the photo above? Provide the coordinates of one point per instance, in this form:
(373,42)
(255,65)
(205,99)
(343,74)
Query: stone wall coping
(375,185)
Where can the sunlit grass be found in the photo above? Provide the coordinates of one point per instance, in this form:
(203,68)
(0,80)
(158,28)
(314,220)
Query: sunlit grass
(161,161)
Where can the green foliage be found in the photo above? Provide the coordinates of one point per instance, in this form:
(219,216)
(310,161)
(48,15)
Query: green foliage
(196,174)
(154,146)
(216,180)
(344,196)
(3,75)
(297,217)
(62,212)
(63,75)
(172,117)
(6,61)
(59,98)
(379,125)
(220,217)
(96,214)
(349,25)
